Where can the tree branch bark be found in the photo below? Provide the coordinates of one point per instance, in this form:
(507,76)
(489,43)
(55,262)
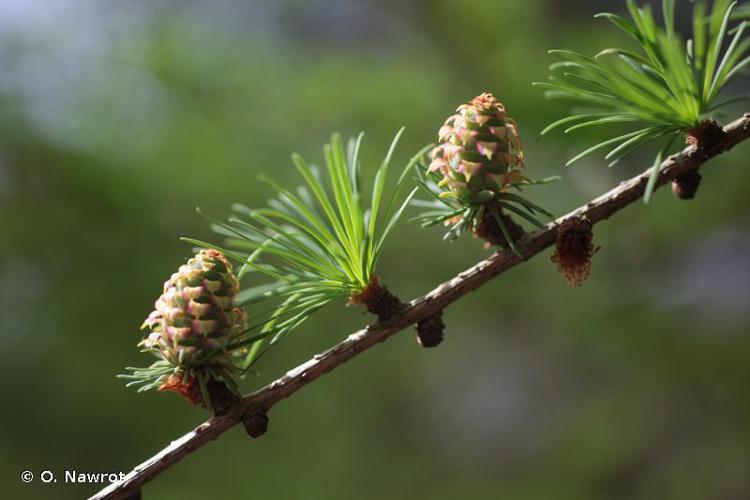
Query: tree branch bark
(530,245)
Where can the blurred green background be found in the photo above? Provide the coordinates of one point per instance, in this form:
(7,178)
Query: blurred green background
(118,118)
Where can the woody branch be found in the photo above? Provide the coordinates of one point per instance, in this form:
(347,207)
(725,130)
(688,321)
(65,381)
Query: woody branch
(259,402)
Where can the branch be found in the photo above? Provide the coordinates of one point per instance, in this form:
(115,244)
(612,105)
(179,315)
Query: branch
(530,245)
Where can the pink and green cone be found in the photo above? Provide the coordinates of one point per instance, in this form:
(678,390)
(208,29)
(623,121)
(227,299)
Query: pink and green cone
(193,328)
(478,161)
(480,152)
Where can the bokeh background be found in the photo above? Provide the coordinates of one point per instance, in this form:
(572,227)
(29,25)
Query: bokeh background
(118,118)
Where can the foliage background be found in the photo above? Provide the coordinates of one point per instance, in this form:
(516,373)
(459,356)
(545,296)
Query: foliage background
(118,118)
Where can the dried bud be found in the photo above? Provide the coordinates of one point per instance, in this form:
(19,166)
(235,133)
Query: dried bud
(222,398)
(255,422)
(574,249)
(686,185)
(185,386)
(489,230)
(430,330)
(705,135)
(378,300)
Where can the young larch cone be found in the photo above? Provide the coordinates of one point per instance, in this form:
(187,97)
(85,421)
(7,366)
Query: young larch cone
(193,322)
(574,249)
(480,151)
(479,156)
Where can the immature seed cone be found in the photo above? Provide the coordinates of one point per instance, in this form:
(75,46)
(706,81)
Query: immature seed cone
(193,322)
(480,151)
(479,156)
(686,185)
(430,330)
(574,249)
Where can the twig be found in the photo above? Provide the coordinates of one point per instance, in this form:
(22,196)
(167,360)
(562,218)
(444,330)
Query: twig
(262,400)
